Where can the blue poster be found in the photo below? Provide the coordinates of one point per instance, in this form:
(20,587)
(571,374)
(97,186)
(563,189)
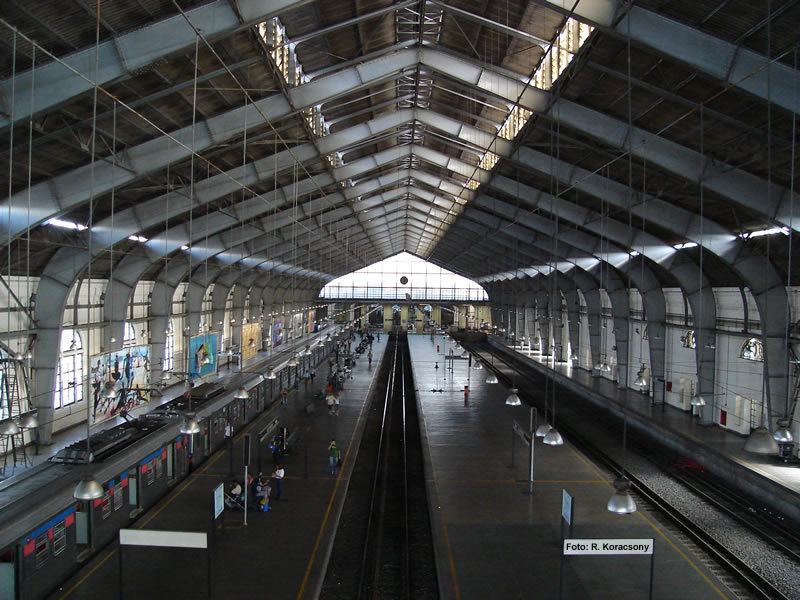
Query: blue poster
(202,355)
(127,372)
(277,333)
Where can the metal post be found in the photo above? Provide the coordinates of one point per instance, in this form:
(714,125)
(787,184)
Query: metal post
(246,490)
(120,571)
(513,434)
(652,570)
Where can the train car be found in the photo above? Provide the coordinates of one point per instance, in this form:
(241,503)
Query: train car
(45,536)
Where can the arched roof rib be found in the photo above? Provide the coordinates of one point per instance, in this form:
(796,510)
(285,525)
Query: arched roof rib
(413,116)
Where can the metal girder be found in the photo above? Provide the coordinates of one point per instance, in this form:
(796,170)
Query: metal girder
(161,311)
(772,201)
(123,55)
(694,283)
(755,270)
(63,192)
(725,61)
(490,24)
(575,247)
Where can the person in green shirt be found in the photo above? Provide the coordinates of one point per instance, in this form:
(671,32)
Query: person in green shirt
(334,457)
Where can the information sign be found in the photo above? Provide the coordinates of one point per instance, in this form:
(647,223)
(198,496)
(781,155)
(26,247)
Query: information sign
(566,507)
(219,499)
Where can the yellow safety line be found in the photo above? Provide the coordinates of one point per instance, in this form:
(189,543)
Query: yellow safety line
(318,540)
(447,539)
(658,530)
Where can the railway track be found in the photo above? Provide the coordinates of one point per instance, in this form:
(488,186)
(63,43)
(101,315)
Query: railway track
(383,546)
(756,556)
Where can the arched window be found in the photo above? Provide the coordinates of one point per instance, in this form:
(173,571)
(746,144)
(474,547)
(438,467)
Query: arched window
(752,349)
(129,335)
(689,340)
(168,363)
(69,375)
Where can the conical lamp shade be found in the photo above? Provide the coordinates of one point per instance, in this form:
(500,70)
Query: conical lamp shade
(542,430)
(110,393)
(241,394)
(190,426)
(698,401)
(761,442)
(513,398)
(553,438)
(491,378)
(8,427)
(478,366)
(271,374)
(88,489)
(29,420)
(621,502)
(293,361)
(782,434)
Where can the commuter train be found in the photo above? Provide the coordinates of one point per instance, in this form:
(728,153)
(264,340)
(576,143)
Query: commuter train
(46,535)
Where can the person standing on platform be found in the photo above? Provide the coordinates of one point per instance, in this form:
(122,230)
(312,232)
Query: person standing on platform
(330,400)
(229,444)
(277,475)
(369,358)
(334,455)
(337,398)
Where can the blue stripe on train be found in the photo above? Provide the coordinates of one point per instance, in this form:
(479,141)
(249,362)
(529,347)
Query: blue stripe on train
(59,517)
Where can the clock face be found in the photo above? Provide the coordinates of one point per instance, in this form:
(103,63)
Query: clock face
(404,280)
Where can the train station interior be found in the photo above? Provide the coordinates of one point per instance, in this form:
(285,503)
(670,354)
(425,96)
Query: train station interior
(471,299)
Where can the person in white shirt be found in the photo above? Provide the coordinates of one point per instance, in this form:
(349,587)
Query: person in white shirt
(277,475)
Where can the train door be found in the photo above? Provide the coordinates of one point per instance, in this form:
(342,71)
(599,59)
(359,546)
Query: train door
(134,491)
(8,583)
(83,529)
(170,463)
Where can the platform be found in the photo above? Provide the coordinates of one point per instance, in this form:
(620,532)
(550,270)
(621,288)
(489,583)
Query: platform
(493,539)
(719,450)
(279,554)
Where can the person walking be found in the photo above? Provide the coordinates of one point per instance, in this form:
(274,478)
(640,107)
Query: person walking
(330,400)
(369,358)
(277,475)
(337,398)
(334,457)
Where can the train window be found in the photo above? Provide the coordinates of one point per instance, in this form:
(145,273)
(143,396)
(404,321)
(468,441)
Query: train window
(160,468)
(59,538)
(105,505)
(118,490)
(150,475)
(41,545)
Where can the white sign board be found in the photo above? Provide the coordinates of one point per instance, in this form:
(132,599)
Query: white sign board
(606,547)
(219,499)
(164,539)
(566,507)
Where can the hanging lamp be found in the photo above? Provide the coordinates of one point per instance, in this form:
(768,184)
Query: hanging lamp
(88,489)
(241,394)
(513,398)
(621,501)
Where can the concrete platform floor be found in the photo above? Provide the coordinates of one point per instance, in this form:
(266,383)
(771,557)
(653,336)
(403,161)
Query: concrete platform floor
(280,554)
(729,443)
(493,539)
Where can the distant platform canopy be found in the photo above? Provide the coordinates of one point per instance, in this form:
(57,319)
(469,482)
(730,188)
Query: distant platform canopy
(404,277)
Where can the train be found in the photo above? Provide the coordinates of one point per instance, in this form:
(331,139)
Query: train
(46,534)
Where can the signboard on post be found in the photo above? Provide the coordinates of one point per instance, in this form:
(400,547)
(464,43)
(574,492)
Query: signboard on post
(566,507)
(219,500)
